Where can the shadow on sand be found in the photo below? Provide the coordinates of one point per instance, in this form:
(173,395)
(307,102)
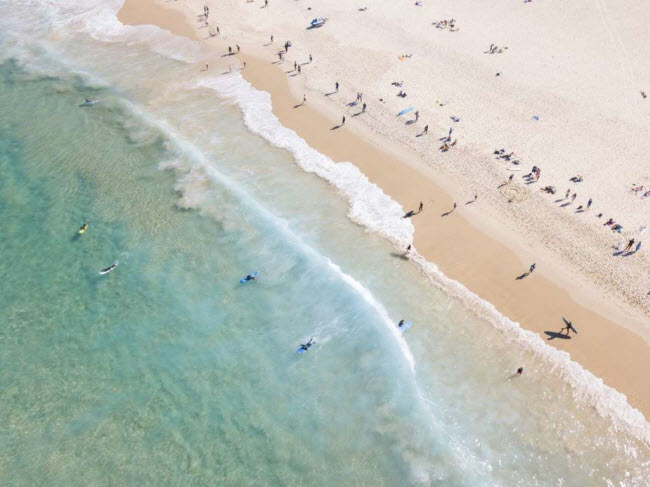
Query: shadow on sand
(553,335)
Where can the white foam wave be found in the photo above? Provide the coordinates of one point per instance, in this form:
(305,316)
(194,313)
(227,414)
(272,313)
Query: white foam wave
(381,310)
(587,388)
(369,205)
(202,166)
(372,208)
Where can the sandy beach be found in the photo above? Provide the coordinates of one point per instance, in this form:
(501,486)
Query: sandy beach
(567,100)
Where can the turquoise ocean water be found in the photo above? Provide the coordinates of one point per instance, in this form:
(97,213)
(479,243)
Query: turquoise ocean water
(167,371)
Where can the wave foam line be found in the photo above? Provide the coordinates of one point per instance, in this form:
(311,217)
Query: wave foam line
(182,145)
(372,208)
(607,401)
(369,205)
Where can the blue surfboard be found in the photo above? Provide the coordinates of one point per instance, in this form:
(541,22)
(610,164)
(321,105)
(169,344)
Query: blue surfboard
(406,326)
(301,350)
(406,110)
(243,279)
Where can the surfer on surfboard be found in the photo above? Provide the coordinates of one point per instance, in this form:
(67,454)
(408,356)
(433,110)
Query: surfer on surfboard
(306,346)
(108,269)
(84,227)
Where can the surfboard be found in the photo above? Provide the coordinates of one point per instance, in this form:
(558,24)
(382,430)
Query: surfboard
(243,279)
(84,227)
(301,350)
(406,110)
(406,326)
(570,325)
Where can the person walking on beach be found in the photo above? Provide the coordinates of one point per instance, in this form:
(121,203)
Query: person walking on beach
(408,250)
(237,46)
(589,203)
(532,268)
(229,50)
(629,245)
(343,121)
(266,4)
(304,99)
(569,327)
(271,38)
(520,370)
(420,208)
(363,108)
(299,69)
(336,86)
(310,58)
(426,130)
(417,115)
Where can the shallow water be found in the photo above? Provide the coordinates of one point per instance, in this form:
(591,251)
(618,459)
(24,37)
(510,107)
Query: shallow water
(167,370)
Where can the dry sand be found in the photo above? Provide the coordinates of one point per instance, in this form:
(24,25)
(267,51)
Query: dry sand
(485,244)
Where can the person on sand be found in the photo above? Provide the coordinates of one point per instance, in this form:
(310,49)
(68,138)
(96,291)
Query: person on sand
(408,250)
(237,46)
(363,108)
(520,370)
(629,245)
(229,50)
(336,86)
(271,38)
(295,66)
(532,268)
(299,70)
(420,207)
(426,130)
(417,115)
(343,120)
(304,99)
(310,58)
(568,327)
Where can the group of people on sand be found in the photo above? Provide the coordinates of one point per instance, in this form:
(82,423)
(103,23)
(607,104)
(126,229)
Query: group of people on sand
(446,25)
(494,49)
(570,197)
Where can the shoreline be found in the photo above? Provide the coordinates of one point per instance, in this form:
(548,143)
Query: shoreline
(459,246)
